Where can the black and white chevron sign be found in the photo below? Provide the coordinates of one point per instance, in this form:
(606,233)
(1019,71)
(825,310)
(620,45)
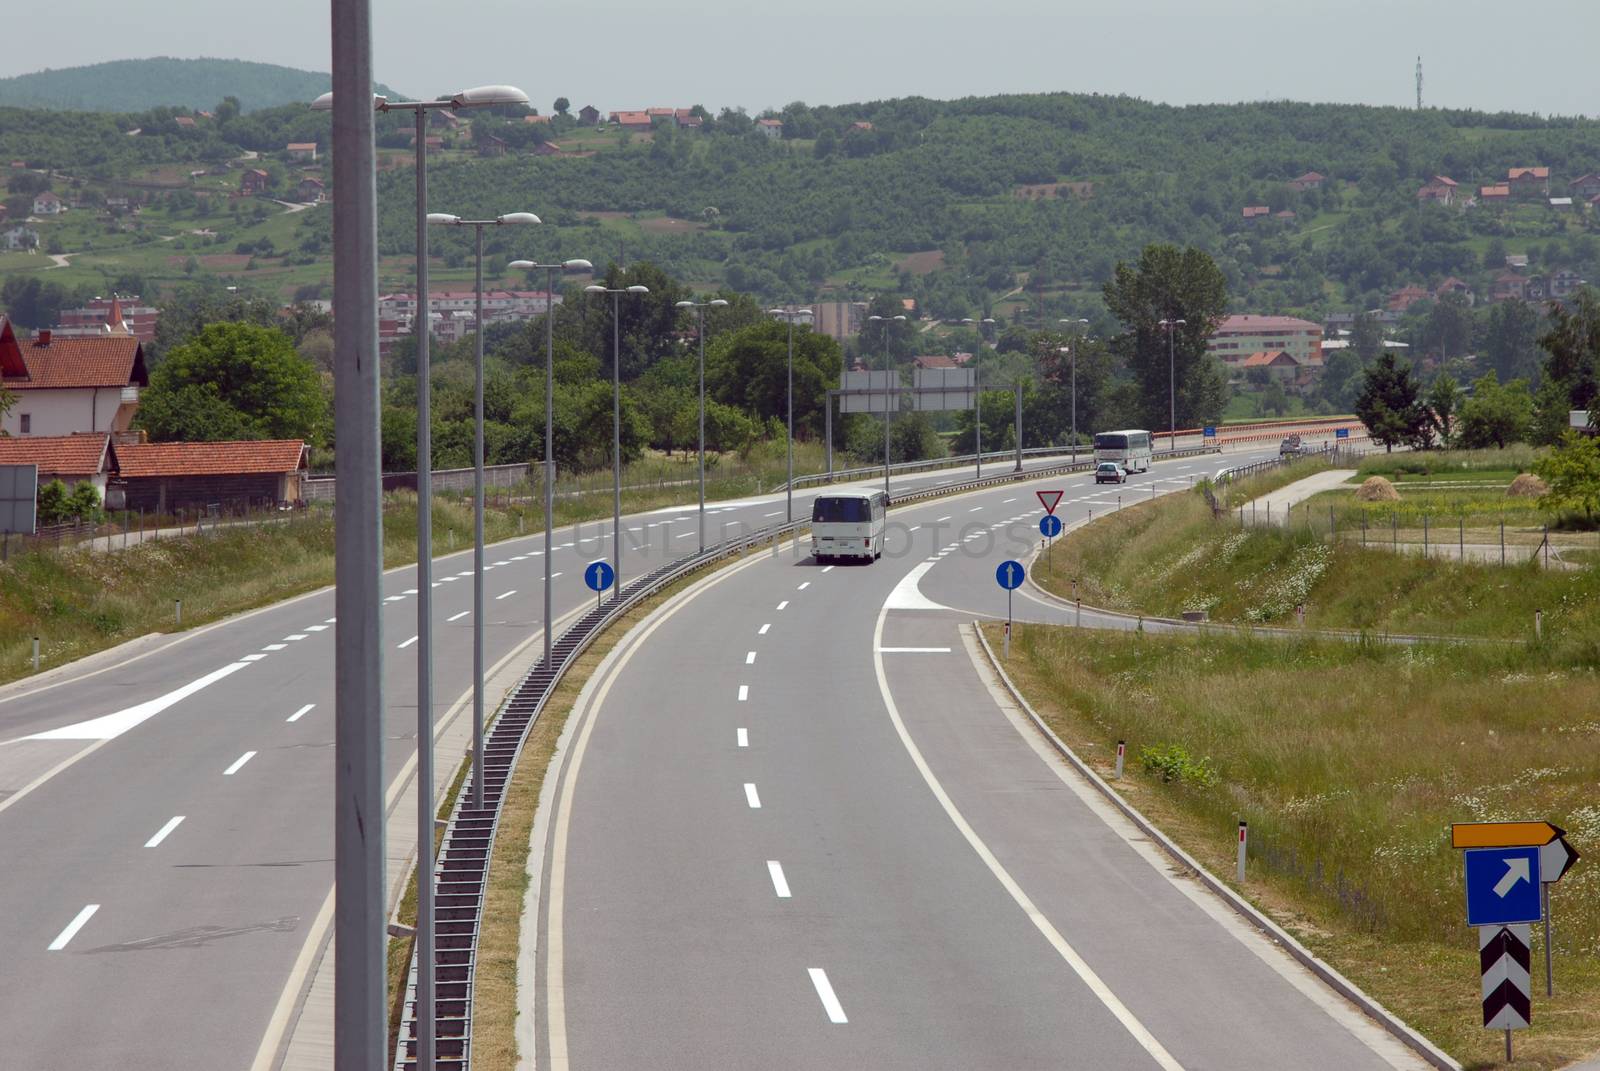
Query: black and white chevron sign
(1503,953)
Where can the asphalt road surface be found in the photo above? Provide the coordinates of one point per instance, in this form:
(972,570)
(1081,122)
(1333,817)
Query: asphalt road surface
(795,829)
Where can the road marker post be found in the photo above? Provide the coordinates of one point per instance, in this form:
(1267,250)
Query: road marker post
(1538,624)
(177,612)
(1244,836)
(1078,604)
(1122,749)
(36,654)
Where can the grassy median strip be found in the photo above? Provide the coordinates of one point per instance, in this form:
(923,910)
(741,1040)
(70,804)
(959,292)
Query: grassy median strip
(1350,761)
(1174,555)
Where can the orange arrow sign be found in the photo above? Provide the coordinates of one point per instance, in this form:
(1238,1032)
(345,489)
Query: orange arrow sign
(1503,834)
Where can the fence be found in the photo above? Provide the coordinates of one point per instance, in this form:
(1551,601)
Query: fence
(128,528)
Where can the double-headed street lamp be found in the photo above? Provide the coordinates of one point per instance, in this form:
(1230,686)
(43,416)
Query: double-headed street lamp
(1073,352)
(790,314)
(888,364)
(353,944)
(977,395)
(549,419)
(700,308)
(507,220)
(616,424)
(1171,326)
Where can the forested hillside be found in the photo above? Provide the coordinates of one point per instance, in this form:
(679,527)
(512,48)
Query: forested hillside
(135,85)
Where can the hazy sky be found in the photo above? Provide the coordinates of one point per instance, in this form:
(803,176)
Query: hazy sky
(1488,54)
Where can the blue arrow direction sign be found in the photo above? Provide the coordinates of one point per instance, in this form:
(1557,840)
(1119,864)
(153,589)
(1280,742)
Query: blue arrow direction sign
(1009,574)
(598,575)
(1502,886)
(1050,525)
(1209,431)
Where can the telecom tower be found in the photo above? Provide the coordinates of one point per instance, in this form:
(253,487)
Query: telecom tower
(1419,83)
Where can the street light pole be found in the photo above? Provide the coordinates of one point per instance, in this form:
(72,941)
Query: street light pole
(549,423)
(477,97)
(507,219)
(700,331)
(888,363)
(977,397)
(1172,384)
(789,313)
(1073,350)
(616,425)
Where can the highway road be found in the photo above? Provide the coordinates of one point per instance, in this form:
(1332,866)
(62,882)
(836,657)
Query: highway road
(168,815)
(794,827)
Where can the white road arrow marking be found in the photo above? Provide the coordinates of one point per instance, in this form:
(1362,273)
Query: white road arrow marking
(1516,870)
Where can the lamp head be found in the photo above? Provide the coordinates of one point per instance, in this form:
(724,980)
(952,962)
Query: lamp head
(324,103)
(577,265)
(522,265)
(683,305)
(637,289)
(516,217)
(482,96)
(443,219)
(717,303)
(594,288)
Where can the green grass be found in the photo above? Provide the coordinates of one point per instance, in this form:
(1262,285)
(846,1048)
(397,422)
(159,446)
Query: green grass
(1171,555)
(1350,761)
(1443,463)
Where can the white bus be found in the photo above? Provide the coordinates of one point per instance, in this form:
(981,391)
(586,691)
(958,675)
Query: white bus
(848,525)
(1130,449)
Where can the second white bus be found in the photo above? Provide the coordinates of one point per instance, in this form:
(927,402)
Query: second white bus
(1131,449)
(849,525)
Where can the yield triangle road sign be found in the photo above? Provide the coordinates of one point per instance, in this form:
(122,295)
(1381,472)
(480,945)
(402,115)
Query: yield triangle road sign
(1048,500)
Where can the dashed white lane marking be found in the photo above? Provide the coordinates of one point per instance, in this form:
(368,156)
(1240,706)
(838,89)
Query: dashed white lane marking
(749,658)
(829,568)
(775,513)
(751,797)
(450,580)
(913,528)
(330,620)
(783,604)
(302,712)
(238,763)
(1007,502)
(780,884)
(458,617)
(409,591)
(161,834)
(316,628)
(294,636)
(394,598)
(467,573)
(762,631)
(743,736)
(974,509)
(914,650)
(407,643)
(941,520)
(73,927)
(274,647)
(744,692)
(830,1002)
(505,595)
(252,657)
(802,587)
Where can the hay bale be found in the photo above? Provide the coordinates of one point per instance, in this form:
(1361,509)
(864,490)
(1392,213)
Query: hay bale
(1527,485)
(1377,489)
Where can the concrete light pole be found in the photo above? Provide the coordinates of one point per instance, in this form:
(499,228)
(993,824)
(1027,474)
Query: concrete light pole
(700,313)
(977,396)
(888,367)
(1073,351)
(616,424)
(790,314)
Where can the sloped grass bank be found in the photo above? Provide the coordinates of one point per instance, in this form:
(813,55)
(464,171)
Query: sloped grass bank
(1350,761)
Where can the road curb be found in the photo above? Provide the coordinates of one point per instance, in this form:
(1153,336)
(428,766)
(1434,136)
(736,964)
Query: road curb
(1275,933)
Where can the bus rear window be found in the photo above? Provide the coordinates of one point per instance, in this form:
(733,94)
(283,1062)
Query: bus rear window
(841,511)
(1110,441)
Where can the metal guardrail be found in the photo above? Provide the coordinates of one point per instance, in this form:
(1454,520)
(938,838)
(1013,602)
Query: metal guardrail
(952,462)
(461,870)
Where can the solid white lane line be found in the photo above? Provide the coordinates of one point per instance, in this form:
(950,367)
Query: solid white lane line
(749,658)
(274,646)
(914,650)
(802,587)
(783,604)
(237,763)
(827,568)
(408,643)
(744,692)
(73,927)
(830,1003)
(743,736)
(505,595)
(750,796)
(294,636)
(302,712)
(161,834)
(780,884)
(108,726)
(762,631)
(316,628)
(458,617)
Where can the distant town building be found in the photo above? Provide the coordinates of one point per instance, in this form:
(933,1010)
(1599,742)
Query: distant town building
(1279,365)
(110,316)
(1406,296)
(1453,285)
(635,120)
(1564,282)
(1586,187)
(1529,181)
(1239,336)
(21,238)
(1494,195)
(301,150)
(839,319)
(588,115)
(1440,189)
(48,204)
(253,181)
(1311,180)
(310,189)
(454,312)
(1251,213)
(772,128)
(185,121)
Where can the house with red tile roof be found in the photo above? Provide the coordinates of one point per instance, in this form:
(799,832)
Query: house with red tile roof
(48,204)
(772,128)
(934,360)
(1453,285)
(637,120)
(69,385)
(1440,189)
(1311,180)
(1586,187)
(72,459)
(301,150)
(171,476)
(1494,195)
(1405,297)
(1529,181)
(253,181)
(1252,213)
(185,121)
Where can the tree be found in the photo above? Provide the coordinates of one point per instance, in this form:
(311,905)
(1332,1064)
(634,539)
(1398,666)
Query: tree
(1388,404)
(1366,338)
(562,106)
(1449,325)
(1511,339)
(1573,347)
(1497,414)
(1169,283)
(1444,401)
(234,381)
(748,369)
(192,308)
(1572,472)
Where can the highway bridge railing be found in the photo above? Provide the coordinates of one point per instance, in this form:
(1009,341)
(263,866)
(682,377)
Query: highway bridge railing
(460,871)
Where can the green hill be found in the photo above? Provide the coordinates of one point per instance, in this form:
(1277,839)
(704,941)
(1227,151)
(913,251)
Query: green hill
(137,84)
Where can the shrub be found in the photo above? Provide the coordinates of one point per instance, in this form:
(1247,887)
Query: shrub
(1174,763)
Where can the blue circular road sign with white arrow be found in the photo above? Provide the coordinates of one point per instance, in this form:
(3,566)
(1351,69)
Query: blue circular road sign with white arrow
(1009,574)
(1050,525)
(598,575)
